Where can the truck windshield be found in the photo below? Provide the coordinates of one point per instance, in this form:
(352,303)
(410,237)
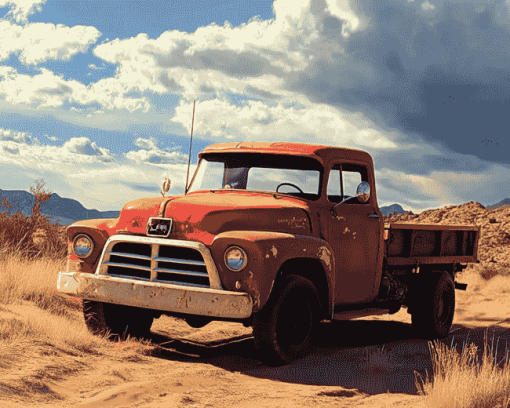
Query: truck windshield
(259,172)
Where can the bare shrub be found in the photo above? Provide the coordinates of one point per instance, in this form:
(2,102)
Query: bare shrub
(17,229)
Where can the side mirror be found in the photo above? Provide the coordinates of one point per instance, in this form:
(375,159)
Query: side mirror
(363,192)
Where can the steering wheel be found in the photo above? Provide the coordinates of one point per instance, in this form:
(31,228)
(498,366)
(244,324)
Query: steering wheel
(289,184)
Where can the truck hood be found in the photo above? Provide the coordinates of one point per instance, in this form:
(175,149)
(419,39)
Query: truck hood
(201,216)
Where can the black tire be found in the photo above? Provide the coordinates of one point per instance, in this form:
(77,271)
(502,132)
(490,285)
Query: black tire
(284,328)
(433,306)
(118,320)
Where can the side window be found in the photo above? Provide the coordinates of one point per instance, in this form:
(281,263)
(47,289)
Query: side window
(345,179)
(334,190)
(351,181)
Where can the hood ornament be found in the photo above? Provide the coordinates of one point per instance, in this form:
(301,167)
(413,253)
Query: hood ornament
(165,186)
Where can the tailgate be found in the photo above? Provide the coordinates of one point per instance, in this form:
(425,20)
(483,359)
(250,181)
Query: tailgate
(410,244)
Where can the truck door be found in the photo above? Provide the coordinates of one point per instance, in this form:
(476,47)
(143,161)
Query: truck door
(353,235)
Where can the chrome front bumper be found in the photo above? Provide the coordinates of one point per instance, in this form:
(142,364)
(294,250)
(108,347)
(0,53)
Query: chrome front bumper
(154,295)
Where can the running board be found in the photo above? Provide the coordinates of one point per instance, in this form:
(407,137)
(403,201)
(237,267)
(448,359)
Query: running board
(460,286)
(353,314)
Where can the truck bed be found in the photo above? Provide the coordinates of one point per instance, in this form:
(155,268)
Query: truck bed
(415,244)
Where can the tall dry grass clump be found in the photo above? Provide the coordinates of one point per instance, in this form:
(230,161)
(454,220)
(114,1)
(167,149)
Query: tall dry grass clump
(469,379)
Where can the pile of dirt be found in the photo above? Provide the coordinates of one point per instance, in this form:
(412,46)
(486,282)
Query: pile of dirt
(494,245)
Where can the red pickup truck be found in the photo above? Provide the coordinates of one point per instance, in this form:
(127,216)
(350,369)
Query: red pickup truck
(278,236)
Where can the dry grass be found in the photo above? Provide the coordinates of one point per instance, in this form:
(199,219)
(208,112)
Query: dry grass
(43,337)
(469,379)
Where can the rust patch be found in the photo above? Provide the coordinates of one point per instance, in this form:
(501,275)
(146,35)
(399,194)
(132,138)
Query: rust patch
(184,299)
(324,255)
(294,223)
(137,222)
(157,292)
(252,289)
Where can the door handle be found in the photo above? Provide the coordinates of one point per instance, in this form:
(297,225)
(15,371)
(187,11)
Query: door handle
(373,215)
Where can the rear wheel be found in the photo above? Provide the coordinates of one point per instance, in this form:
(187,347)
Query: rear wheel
(434,305)
(284,328)
(119,320)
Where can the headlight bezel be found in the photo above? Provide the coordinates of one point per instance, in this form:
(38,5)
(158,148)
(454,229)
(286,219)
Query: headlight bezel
(228,251)
(75,240)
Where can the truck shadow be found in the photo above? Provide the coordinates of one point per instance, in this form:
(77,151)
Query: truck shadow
(371,356)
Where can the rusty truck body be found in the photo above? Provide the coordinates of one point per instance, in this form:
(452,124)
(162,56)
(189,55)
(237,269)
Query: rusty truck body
(278,236)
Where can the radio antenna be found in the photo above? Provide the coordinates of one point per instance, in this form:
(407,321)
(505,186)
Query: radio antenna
(190,144)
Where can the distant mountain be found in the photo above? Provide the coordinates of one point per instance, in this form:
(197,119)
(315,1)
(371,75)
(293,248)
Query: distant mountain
(506,201)
(392,209)
(64,210)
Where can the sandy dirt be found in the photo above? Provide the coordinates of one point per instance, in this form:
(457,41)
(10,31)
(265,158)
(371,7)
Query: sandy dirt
(370,362)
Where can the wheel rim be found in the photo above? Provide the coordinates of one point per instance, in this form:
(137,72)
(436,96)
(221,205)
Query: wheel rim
(294,325)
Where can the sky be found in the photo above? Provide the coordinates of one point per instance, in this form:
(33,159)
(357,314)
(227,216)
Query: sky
(96,97)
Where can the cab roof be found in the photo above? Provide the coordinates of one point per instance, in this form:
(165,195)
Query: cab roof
(322,153)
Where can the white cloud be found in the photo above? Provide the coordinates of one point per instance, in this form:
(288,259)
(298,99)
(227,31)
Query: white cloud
(207,84)
(17,137)
(83,146)
(29,151)
(151,154)
(256,121)
(151,144)
(11,149)
(21,9)
(343,10)
(39,42)
(45,89)
(49,90)
(427,6)
(278,46)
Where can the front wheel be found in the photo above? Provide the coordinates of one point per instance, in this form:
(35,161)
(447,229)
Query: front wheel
(434,305)
(118,320)
(284,328)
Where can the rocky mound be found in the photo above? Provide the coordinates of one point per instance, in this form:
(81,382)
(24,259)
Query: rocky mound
(494,245)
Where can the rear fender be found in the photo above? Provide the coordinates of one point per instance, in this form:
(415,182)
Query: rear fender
(267,251)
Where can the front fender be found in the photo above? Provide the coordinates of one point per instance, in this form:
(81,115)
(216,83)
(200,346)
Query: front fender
(267,252)
(99,230)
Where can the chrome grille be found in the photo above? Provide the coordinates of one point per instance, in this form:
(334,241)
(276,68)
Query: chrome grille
(156,262)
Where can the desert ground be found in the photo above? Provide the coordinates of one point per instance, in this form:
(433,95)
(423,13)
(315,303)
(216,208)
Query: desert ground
(47,358)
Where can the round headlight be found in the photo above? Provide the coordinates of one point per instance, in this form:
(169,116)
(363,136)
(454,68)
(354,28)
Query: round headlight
(235,258)
(83,246)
